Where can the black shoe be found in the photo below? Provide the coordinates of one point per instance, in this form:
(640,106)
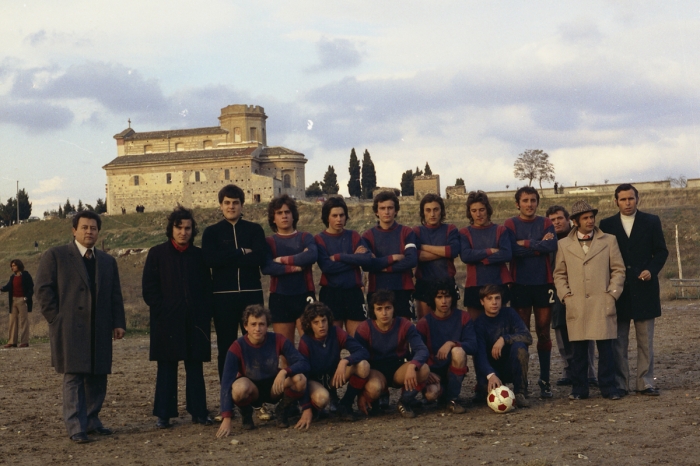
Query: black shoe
(163,423)
(282,415)
(102,430)
(205,421)
(651,391)
(564,381)
(454,407)
(577,397)
(80,437)
(345,413)
(614,397)
(384,401)
(592,382)
(545,389)
(405,410)
(247,416)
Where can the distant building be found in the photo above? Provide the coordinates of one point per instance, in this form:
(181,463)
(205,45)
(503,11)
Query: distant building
(426,184)
(158,169)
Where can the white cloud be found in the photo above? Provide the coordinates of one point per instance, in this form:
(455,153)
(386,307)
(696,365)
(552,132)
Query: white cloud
(47,186)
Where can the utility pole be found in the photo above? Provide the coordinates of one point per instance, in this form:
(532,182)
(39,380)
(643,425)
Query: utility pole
(17,201)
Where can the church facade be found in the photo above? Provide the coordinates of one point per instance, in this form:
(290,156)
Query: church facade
(159,169)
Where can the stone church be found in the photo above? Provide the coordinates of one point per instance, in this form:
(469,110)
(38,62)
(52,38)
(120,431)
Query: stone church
(158,169)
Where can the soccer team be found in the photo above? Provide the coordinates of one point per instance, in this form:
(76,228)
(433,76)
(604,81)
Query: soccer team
(505,263)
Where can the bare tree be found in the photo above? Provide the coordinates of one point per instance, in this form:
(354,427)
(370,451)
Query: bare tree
(534,164)
(680,182)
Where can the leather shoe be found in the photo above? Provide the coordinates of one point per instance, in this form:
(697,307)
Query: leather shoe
(102,430)
(614,397)
(9,345)
(205,421)
(651,391)
(80,437)
(564,381)
(24,345)
(163,423)
(577,397)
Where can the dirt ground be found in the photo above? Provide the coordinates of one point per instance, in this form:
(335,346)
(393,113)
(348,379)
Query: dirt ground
(634,430)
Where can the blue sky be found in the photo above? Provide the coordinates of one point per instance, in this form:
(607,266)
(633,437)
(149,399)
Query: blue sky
(608,88)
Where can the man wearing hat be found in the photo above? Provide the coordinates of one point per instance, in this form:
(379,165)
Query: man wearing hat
(641,241)
(589,276)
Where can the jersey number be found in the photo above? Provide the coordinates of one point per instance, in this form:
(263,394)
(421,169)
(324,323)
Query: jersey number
(551,296)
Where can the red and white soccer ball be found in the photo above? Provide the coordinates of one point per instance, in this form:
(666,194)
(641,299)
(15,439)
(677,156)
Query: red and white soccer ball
(501,399)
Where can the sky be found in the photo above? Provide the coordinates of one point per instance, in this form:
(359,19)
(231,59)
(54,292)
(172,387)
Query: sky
(608,89)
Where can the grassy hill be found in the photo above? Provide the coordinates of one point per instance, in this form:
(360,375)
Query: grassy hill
(119,232)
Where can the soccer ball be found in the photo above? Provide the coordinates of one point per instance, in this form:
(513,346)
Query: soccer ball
(501,399)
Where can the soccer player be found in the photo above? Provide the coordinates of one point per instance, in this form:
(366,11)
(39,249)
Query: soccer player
(448,333)
(534,239)
(252,374)
(394,248)
(235,250)
(486,248)
(502,340)
(291,255)
(321,345)
(439,245)
(387,338)
(341,253)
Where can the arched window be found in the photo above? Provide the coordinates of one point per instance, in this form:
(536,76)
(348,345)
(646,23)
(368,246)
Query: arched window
(196,176)
(287,181)
(136,180)
(168,178)
(227,174)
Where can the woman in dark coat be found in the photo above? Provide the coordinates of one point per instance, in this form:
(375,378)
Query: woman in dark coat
(20,289)
(177,288)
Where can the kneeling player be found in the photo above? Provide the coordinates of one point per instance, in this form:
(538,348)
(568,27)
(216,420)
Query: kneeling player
(448,333)
(387,338)
(321,345)
(502,340)
(252,374)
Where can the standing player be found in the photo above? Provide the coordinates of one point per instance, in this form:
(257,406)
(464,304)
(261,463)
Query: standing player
(562,226)
(291,254)
(321,345)
(502,341)
(439,245)
(486,248)
(531,269)
(394,248)
(234,249)
(341,253)
(390,341)
(449,335)
(252,374)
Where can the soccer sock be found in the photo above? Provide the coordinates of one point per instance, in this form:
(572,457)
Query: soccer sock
(455,377)
(355,386)
(545,361)
(409,395)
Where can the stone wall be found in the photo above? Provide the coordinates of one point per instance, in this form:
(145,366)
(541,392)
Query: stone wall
(456,192)
(423,185)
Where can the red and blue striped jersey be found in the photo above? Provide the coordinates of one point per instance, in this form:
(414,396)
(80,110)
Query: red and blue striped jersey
(384,273)
(401,341)
(530,264)
(483,267)
(344,270)
(442,235)
(298,249)
(324,355)
(435,332)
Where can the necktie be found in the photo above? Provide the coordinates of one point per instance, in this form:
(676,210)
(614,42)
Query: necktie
(88,254)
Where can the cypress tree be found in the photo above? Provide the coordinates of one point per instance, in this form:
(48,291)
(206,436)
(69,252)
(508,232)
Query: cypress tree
(330,181)
(354,186)
(369,176)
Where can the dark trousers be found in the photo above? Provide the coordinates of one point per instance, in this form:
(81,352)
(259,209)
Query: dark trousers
(510,367)
(228,310)
(83,395)
(165,402)
(606,368)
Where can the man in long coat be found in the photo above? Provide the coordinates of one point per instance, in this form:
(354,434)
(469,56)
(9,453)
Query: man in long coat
(177,288)
(79,294)
(589,276)
(643,249)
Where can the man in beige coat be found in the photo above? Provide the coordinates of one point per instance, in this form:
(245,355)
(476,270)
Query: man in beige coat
(589,276)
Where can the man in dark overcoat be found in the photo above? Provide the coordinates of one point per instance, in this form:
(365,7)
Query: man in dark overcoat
(79,294)
(177,288)
(643,248)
